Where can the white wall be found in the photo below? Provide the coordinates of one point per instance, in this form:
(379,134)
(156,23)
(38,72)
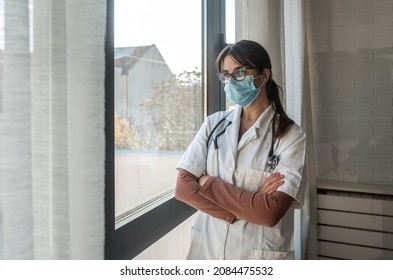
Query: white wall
(351,68)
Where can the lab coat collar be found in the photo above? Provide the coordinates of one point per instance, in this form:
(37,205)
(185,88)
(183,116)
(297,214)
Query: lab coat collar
(262,122)
(259,128)
(265,118)
(233,131)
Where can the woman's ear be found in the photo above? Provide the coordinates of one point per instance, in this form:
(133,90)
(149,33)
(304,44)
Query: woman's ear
(265,75)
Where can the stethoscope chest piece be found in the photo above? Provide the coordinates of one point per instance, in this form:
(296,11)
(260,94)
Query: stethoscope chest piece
(271,163)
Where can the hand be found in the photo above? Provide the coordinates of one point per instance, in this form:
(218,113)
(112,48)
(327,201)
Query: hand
(271,183)
(202,180)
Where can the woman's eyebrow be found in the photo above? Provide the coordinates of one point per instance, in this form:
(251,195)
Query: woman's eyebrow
(239,67)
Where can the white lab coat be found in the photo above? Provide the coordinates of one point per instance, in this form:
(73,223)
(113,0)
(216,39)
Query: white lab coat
(242,164)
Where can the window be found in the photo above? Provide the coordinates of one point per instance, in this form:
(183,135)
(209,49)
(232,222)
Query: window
(230,20)
(160,66)
(158,98)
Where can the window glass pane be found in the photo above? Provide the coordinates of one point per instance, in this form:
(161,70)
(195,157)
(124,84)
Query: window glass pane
(230,21)
(158,97)
(229,34)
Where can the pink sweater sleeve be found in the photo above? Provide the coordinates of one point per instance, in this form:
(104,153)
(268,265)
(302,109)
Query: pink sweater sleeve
(254,207)
(187,190)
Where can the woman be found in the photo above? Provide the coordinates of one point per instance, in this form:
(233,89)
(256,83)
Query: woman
(243,168)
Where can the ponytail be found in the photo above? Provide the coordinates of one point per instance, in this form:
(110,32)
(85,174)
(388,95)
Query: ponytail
(273,93)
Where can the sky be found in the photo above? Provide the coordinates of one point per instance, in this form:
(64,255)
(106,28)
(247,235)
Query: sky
(173,25)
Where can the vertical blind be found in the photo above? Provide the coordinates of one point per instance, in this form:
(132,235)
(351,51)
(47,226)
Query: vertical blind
(52,129)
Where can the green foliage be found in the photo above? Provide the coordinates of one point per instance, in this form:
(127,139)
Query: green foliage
(173,114)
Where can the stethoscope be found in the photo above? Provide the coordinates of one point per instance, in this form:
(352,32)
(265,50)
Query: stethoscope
(215,139)
(272,159)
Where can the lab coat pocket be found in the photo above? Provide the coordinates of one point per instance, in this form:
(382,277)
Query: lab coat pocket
(258,254)
(196,244)
(254,179)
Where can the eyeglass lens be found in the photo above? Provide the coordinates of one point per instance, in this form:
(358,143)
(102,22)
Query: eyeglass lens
(237,74)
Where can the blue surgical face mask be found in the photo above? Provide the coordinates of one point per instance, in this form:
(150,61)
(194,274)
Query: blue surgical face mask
(242,92)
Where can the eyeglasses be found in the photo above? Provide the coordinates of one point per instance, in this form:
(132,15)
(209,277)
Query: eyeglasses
(238,74)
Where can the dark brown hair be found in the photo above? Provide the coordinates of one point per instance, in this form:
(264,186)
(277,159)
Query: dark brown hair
(252,54)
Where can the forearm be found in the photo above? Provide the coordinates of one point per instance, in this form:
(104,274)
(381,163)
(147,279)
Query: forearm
(254,207)
(187,190)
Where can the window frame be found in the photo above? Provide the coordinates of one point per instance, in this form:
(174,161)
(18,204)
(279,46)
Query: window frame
(129,240)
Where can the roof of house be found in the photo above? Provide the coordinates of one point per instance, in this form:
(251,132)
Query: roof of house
(131,51)
(127,57)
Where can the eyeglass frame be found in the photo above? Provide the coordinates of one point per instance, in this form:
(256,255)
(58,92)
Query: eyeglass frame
(229,75)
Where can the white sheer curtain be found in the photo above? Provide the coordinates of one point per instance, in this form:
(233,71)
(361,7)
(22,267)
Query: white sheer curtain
(298,106)
(280,27)
(52,129)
